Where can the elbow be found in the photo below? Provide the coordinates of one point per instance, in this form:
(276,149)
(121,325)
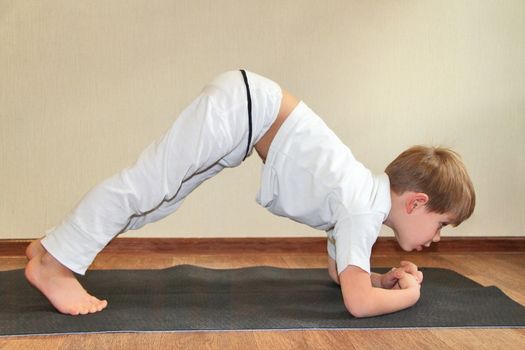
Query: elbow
(359,296)
(357,312)
(357,308)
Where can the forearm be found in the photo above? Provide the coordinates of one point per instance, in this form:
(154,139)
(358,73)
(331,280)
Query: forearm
(375,278)
(362,299)
(378,301)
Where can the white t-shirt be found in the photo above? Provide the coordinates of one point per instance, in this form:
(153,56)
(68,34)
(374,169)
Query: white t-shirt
(311,177)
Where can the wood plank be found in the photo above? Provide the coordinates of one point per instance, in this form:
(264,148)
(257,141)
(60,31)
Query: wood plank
(288,245)
(457,339)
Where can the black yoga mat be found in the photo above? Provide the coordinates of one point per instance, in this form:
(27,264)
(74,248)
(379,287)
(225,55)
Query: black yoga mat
(190,298)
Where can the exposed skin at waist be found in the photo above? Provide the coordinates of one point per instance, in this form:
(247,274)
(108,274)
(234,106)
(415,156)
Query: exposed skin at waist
(288,103)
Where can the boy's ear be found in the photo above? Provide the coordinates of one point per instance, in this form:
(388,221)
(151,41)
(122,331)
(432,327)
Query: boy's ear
(416,200)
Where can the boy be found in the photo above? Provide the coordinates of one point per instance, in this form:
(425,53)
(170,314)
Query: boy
(309,175)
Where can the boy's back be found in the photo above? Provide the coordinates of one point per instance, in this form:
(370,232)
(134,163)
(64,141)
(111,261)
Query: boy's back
(311,177)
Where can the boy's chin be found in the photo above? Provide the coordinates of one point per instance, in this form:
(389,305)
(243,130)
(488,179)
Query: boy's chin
(399,243)
(404,247)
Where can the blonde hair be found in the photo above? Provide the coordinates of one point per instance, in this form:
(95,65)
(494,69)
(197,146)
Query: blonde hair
(439,173)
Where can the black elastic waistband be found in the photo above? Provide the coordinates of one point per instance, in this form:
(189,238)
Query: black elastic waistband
(249,97)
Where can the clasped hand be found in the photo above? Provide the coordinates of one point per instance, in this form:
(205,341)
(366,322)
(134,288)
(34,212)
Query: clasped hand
(403,277)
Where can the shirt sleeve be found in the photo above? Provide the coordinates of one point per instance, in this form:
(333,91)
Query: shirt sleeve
(353,238)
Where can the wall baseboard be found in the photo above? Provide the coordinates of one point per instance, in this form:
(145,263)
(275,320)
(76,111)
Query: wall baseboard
(275,245)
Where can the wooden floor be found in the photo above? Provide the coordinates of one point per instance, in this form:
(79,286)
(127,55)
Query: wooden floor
(505,270)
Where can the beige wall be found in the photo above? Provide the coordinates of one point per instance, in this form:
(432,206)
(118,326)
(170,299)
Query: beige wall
(86,85)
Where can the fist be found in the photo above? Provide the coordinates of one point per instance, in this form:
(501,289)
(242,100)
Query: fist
(407,281)
(411,268)
(390,279)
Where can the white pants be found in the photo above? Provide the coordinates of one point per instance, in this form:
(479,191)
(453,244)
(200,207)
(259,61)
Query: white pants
(209,135)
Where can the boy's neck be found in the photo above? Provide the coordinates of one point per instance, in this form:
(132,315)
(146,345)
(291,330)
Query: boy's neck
(390,219)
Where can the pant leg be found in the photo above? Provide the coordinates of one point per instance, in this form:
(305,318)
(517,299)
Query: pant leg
(188,153)
(209,135)
(169,207)
(229,98)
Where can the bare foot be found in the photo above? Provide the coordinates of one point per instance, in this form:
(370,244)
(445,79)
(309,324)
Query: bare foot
(34,249)
(60,286)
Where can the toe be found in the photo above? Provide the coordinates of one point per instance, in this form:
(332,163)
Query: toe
(72,311)
(98,305)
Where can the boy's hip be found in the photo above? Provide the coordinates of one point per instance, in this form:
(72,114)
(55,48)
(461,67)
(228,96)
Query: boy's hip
(228,95)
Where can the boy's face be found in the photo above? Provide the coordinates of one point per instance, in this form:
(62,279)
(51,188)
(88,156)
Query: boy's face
(413,225)
(421,230)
